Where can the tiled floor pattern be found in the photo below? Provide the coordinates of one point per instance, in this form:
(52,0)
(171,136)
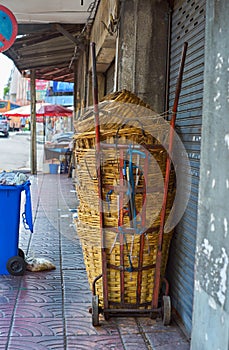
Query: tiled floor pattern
(49,310)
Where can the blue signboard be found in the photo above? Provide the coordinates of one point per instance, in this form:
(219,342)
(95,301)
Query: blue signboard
(60,86)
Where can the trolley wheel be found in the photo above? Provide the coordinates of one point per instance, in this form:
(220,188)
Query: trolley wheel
(166,310)
(106,316)
(21,253)
(16,266)
(95,310)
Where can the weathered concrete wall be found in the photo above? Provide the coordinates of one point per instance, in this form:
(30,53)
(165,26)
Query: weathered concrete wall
(143,50)
(104,34)
(211,298)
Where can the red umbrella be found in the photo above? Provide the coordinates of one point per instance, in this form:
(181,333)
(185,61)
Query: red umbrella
(23,111)
(50,110)
(42,110)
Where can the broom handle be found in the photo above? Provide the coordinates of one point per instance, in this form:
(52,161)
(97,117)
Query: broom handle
(178,87)
(167,175)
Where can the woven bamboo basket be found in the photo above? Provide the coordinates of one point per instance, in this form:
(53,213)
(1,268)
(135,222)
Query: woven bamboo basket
(126,120)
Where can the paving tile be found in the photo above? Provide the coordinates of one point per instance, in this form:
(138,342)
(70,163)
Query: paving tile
(73,261)
(36,343)
(172,346)
(72,251)
(77,310)
(39,310)
(151,325)
(66,231)
(39,251)
(127,325)
(159,335)
(76,285)
(70,242)
(3,343)
(48,226)
(71,275)
(44,244)
(50,210)
(70,235)
(5,324)
(66,217)
(79,297)
(166,338)
(100,342)
(6,311)
(134,342)
(43,226)
(37,327)
(83,326)
(8,297)
(49,285)
(9,282)
(46,237)
(71,246)
(32,296)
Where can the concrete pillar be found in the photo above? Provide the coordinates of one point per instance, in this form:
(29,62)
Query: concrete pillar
(211,296)
(143,50)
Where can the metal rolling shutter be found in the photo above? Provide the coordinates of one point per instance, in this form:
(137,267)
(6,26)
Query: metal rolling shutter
(188,24)
(109,85)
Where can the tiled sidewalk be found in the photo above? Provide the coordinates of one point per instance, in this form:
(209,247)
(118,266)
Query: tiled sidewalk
(49,310)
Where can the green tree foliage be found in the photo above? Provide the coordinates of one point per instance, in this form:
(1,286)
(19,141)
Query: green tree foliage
(6,91)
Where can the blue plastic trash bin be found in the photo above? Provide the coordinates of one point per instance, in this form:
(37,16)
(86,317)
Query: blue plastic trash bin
(53,168)
(11,261)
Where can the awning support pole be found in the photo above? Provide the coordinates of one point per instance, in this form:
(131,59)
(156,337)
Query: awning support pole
(33,123)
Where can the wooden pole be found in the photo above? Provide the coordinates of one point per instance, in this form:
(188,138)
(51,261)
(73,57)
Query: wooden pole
(75,95)
(33,147)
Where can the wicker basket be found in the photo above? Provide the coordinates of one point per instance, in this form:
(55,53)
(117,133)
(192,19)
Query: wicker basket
(131,123)
(91,244)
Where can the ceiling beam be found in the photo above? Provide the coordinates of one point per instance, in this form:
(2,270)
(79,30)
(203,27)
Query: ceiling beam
(68,35)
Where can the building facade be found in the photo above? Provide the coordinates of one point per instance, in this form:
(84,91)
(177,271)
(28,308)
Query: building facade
(54,92)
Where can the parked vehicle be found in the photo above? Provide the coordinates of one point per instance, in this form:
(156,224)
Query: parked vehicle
(62,137)
(6,105)
(4,125)
(14,124)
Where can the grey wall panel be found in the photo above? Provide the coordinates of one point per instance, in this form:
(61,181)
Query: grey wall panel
(188,24)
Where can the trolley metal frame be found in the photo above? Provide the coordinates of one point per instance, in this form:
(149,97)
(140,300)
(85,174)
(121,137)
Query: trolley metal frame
(123,308)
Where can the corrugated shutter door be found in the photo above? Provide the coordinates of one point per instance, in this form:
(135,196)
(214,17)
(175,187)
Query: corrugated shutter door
(188,24)
(109,86)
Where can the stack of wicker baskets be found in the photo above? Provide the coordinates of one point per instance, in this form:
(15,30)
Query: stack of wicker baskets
(126,120)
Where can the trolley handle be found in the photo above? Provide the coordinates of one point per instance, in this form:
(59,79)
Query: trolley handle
(135,151)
